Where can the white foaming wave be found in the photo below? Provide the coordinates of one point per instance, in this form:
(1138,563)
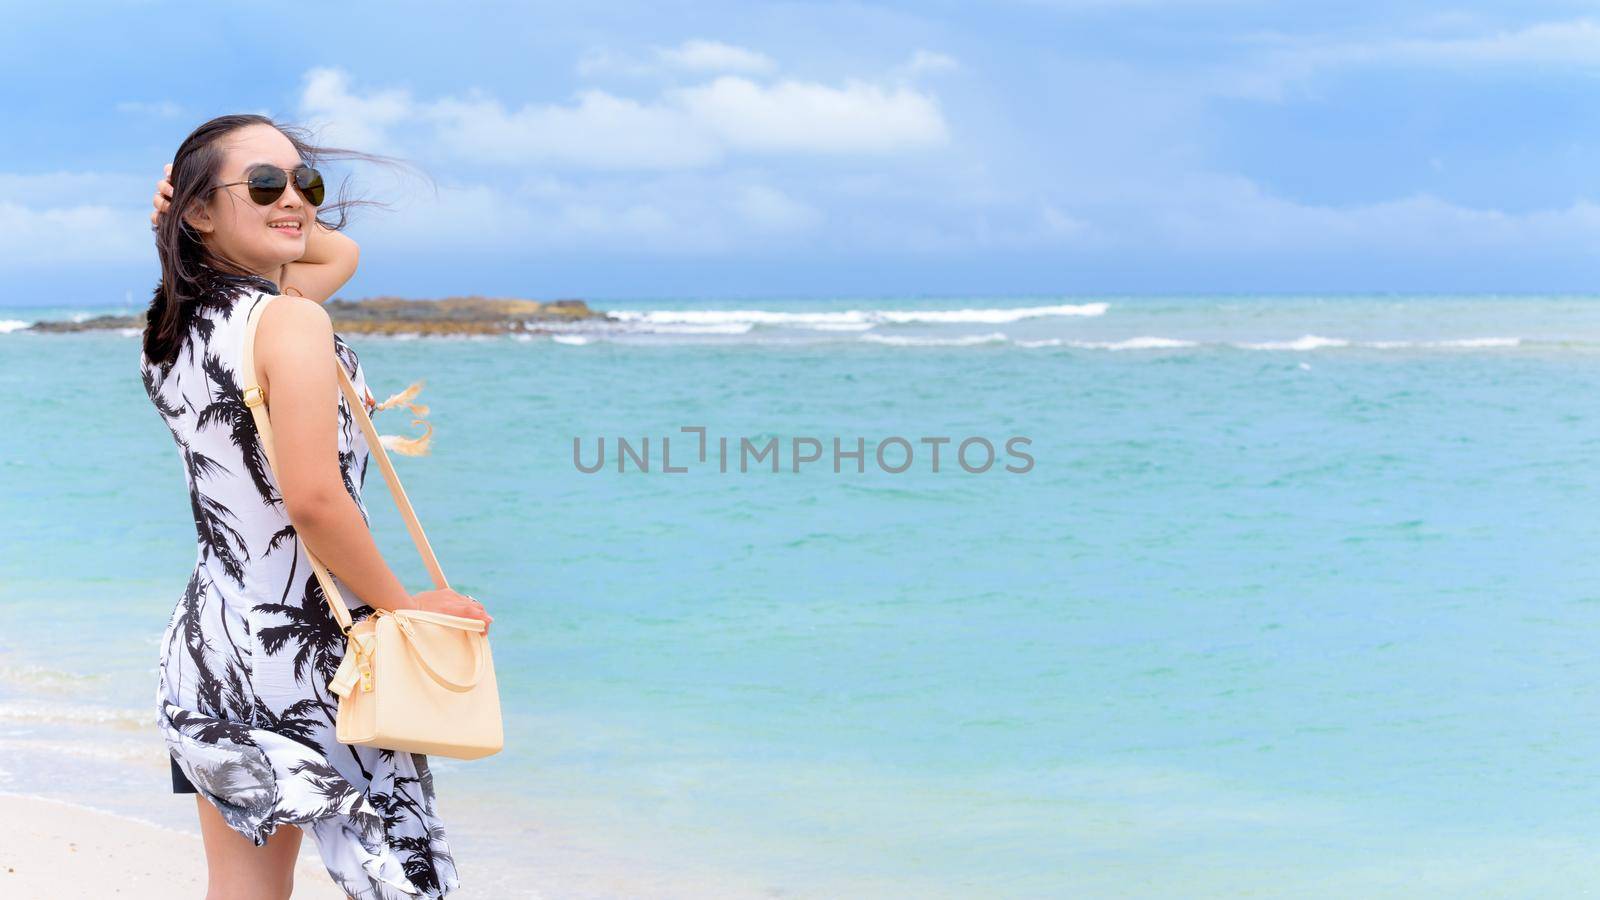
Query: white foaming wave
(1136,343)
(9,325)
(32,677)
(854,319)
(1458,342)
(750,316)
(1305,342)
(574,340)
(1145,343)
(139,751)
(703,328)
(1315,342)
(992,316)
(963,341)
(841,326)
(75,713)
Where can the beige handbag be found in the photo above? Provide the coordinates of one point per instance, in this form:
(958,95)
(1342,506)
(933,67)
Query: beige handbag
(411,679)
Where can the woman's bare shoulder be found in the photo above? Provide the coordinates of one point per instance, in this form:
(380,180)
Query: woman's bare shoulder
(293,331)
(296,317)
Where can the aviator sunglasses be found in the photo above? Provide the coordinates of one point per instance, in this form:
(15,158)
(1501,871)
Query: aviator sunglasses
(268,182)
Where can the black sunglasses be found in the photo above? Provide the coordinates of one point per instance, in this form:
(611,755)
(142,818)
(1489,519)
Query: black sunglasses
(268,182)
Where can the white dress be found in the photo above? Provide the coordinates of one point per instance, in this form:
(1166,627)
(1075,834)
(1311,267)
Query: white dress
(242,699)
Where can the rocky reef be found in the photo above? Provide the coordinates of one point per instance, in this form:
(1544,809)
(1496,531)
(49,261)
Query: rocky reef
(396,315)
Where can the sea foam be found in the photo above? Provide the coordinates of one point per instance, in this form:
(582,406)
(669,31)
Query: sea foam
(851,319)
(966,340)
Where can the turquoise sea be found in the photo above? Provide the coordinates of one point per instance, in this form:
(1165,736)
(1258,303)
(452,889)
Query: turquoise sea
(1299,597)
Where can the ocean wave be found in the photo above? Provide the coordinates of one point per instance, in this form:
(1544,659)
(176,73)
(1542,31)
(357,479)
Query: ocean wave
(1458,342)
(123,751)
(842,326)
(962,341)
(993,316)
(39,678)
(855,319)
(932,338)
(702,328)
(53,710)
(1137,343)
(1317,342)
(1305,342)
(9,325)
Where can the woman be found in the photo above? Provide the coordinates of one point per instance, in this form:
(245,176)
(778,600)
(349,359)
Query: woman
(242,699)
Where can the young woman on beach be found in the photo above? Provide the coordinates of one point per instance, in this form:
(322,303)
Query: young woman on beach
(242,699)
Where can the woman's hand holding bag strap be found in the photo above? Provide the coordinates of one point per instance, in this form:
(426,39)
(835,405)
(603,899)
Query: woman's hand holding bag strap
(412,680)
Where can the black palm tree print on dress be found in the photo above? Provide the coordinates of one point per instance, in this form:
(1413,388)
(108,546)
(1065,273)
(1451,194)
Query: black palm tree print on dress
(228,408)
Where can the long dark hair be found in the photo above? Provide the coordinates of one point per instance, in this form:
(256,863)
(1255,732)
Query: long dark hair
(191,274)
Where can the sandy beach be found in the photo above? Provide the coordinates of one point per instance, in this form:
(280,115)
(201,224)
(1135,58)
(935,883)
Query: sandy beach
(63,851)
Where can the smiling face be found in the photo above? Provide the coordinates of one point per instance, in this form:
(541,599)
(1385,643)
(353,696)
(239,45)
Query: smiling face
(260,239)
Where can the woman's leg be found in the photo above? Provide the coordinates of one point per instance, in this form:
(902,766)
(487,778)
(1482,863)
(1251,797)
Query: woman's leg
(239,870)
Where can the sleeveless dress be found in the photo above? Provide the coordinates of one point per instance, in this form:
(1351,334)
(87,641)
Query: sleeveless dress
(242,700)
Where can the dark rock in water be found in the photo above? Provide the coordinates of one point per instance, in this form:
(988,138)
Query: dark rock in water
(396,315)
(98,323)
(454,315)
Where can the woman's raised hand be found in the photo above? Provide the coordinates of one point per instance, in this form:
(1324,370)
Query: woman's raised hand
(163,198)
(452,603)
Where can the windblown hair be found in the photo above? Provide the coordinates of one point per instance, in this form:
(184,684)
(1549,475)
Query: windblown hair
(192,274)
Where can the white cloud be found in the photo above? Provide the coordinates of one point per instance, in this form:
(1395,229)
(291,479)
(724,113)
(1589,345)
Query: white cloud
(1100,5)
(597,131)
(602,61)
(341,117)
(681,128)
(68,235)
(1570,44)
(681,213)
(1574,43)
(63,217)
(770,209)
(697,56)
(715,56)
(793,116)
(67,189)
(925,61)
(1231,215)
(1060,223)
(165,109)
(655,173)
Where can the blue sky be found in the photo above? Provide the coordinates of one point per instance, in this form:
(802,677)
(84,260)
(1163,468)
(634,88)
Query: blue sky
(635,150)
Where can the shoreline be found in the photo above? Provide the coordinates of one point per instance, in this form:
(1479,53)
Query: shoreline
(84,789)
(59,848)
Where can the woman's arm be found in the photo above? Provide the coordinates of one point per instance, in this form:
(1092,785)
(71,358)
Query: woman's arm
(330,259)
(296,366)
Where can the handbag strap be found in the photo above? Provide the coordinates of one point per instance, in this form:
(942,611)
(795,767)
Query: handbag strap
(255,397)
(405,624)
